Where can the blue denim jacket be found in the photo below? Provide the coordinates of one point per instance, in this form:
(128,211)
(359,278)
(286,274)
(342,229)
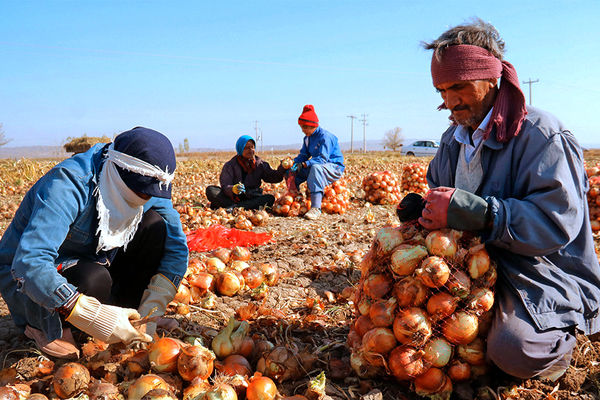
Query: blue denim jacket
(56,224)
(320,148)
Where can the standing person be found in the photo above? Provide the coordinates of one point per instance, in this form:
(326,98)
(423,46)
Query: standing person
(516,175)
(320,162)
(241,178)
(95,238)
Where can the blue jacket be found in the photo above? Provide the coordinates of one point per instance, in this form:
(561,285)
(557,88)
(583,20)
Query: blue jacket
(319,148)
(56,223)
(541,239)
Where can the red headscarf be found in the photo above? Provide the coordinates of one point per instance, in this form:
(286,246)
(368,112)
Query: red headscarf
(466,62)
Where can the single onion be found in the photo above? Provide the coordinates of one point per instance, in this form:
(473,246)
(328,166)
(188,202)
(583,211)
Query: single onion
(460,328)
(240,253)
(222,254)
(410,292)
(473,353)
(195,361)
(362,366)
(364,305)
(238,265)
(70,379)
(459,371)
(246,347)
(412,326)
(253,277)
(363,324)
(144,384)
(406,258)
(382,312)
(406,363)
(377,285)
(481,300)
(234,364)
(280,364)
(387,239)
(230,339)
(478,262)
(8,393)
(261,388)
(441,305)
(163,354)
(379,340)
(214,265)
(159,394)
(287,163)
(434,272)
(459,284)
(270,272)
(479,370)
(221,391)
(441,243)
(228,283)
(353,340)
(203,281)
(196,389)
(438,352)
(432,382)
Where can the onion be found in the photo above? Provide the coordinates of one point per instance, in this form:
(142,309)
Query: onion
(459,371)
(354,340)
(138,363)
(473,353)
(246,347)
(437,352)
(203,281)
(459,284)
(377,285)
(362,366)
(485,323)
(478,262)
(253,277)
(481,300)
(37,396)
(287,163)
(221,391)
(405,363)
(261,388)
(461,328)
(195,361)
(410,292)
(412,326)
(280,364)
(159,394)
(144,384)
(234,364)
(228,283)
(183,295)
(214,265)
(163,354)
(228,341)
(489,279)
(387,239)
(222,254)
(378,340)
(240,253)
(237,265)
(441,305)
(270,272)
(196,389)
(406,258)
(433,381)
(364,305)
(381,312)
(8,393)
(363,324)
(261,347)
(441,243)
(434,272)
(70,380)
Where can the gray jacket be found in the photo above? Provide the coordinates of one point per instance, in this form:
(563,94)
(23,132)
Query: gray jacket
(541,238)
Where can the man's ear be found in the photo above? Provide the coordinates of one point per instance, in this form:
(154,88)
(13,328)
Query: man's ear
(493,82)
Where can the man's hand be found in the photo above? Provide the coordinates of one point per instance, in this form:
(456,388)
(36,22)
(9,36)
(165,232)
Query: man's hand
(154,302)
(239,188)
(297,166)
(435,213)
(108,323)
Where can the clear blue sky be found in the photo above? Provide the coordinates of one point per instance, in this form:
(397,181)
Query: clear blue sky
(207,70)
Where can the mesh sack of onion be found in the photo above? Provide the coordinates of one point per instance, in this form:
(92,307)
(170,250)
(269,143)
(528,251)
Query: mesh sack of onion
(594,202)
(382,188)
(336,199)
(414,178)
(423,308)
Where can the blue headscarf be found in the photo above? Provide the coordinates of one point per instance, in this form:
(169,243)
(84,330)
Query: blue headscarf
(241,143)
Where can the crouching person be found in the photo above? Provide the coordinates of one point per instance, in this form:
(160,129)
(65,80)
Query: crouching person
(95,244)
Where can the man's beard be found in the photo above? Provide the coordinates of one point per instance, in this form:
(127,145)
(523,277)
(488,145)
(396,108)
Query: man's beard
(472,120)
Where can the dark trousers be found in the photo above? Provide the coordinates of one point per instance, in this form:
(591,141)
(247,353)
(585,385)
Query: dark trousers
(218,198)
(123,282)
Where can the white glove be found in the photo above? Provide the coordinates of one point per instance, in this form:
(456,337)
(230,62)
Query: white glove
(108,323)
(159,293)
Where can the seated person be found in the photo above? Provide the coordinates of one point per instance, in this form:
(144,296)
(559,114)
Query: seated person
(320,162)
(241,178)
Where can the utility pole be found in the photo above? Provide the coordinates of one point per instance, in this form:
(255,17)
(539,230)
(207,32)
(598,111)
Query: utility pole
(352,118)
(530,82)
(364,121)
(258,135)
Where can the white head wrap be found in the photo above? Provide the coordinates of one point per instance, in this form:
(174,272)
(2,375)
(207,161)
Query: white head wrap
(120,209)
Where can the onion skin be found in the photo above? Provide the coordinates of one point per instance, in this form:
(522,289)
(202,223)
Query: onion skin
(234,364)
(163,354)
(410,292)
(381,312)
(481,300)
(431,382)
(434,272)
(70,379)
(387,239)
(144,384)
(473,353)
(459,371)
(406,258)
(461,328)
(261,388)
(364,305)
(363,324)
(280,364)
(441,243)
(253,277)
(379,340)
(362,366)
(441,305)
(222,253)
(459,284)
(377,286)
(195,362)
(438,352)
(196,389)
(478,263)
(412,327)
(221,392)
(228,283)
(406,363)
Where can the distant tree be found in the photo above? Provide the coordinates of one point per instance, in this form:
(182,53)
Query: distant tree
(393,139)
(186,145)
(180,148)
(3,138)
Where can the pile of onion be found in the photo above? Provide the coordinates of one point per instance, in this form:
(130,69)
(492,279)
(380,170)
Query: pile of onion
(422,305)
(382,188)
(291,205)
(594,202)
(414,178)
(336,198)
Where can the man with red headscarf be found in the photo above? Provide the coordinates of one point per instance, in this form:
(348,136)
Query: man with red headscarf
(516,175)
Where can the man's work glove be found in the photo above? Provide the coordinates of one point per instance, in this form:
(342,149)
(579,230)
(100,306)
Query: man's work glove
(410,208)
(108,323)
(238,188)
(159,293)
(454,208)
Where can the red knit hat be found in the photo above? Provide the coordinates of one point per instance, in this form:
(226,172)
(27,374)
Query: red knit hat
(308,116)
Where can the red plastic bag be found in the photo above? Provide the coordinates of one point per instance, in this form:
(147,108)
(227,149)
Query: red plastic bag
(217,236)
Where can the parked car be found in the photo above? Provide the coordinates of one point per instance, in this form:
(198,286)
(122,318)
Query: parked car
(421,148)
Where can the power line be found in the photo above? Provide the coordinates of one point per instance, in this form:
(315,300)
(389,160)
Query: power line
(352,118)
(530,82)
(364,121)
